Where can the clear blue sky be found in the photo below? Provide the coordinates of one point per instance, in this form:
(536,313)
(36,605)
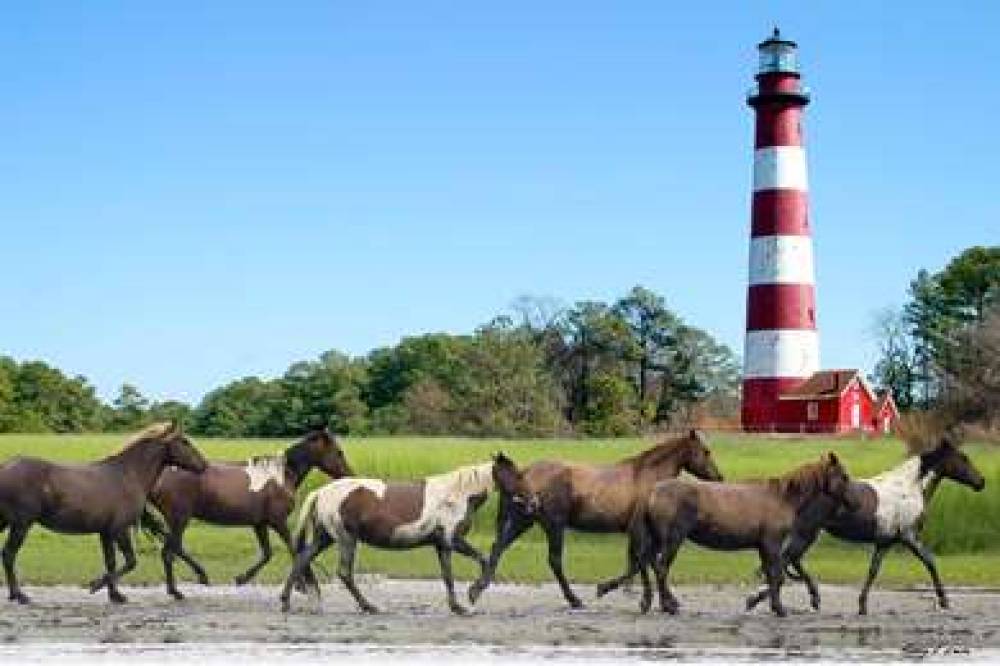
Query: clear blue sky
(193,192)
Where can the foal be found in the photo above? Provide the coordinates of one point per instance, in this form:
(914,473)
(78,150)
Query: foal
(592,498)
(731,516)
(104,497)
(435,511)
(892,509)
(258,494)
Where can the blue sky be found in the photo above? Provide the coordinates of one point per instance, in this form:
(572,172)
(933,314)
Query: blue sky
(193,192)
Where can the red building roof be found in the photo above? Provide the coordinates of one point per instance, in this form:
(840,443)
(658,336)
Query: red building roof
(825,385)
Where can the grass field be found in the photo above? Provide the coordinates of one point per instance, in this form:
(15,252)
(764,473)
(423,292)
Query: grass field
(963,526)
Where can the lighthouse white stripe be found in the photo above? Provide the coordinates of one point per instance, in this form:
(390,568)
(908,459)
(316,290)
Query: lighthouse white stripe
(780,168)
(780,353)
(781,260)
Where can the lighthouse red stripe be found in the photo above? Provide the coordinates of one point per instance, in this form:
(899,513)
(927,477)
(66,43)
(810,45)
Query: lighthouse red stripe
(779,213)
(781,306)
(778,126)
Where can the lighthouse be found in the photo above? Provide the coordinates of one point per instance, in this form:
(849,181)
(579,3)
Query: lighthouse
(781,349)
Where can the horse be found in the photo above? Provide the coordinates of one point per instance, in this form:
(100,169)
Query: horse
(592,498)
(104,497)
(259,494)
(435,511)
(732,516)
(892,509)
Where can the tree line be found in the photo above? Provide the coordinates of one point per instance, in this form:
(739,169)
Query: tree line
(941,349)
(542,369)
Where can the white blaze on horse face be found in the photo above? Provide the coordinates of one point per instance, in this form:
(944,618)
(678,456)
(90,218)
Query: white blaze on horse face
(263,469)
(900,494)
(446,502)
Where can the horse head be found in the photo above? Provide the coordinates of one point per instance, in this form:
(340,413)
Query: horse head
(321,449)
(836,483)
(180,451)
(950,462)
(510,482)
(698,459)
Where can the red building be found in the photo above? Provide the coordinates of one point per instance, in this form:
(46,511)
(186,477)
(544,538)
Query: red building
(832,401)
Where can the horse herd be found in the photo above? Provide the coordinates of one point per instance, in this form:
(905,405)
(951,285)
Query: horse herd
(643,496)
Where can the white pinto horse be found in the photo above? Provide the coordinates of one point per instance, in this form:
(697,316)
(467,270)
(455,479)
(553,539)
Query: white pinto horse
(892,508)
(435,511)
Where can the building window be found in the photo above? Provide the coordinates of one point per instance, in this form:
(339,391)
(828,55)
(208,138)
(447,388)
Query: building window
(812,411)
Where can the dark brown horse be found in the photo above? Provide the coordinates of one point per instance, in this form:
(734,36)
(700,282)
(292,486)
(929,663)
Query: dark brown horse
(435,511)
(891,510)
(591,498)
(732,516)
(258,494)
(104,497)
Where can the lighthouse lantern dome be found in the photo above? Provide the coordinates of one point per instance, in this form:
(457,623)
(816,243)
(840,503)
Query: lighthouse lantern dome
(778,55)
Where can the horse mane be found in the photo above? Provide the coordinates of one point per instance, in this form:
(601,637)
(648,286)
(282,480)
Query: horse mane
(800,482)
(154,432)
(460,483)
(924,432)
(659,451)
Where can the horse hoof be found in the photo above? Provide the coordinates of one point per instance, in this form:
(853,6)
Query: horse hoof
(475,591)
(944,604)
(780,611)
(241,580)
(20,597)
(176,594)
(645,605)
(814,602)
(203,580)
(671,608)
(369,609)
(95,585)
(117,598)
(285,606)
(602,589)
(458,609)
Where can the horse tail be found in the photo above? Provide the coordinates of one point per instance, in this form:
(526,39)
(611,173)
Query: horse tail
(152,525)
(306,523)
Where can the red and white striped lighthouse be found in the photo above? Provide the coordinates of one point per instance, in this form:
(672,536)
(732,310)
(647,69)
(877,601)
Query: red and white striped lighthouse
(782,346)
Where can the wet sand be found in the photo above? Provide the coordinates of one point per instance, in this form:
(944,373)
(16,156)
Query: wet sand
(222,622)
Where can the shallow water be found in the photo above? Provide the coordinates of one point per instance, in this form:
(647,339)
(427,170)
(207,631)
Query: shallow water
(512,624)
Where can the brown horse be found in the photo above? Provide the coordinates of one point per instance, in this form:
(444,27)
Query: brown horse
(591,498)
(435,511)
(258,494)
(104,497)
(732,516)
(891,510)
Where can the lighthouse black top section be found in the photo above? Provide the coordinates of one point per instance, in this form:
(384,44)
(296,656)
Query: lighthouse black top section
(778,75)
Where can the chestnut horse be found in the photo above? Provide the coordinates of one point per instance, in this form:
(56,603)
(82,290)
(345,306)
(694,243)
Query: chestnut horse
(892,510)
(435,511)
(103,497)
(591,498)
(259,494)
(732,516)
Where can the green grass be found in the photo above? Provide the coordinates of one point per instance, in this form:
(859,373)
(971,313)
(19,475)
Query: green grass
(963,526)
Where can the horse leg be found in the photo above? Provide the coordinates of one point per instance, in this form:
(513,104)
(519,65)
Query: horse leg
(308,579)
(555,535)
(444,559)
(108,549)
(880,550)
(774,569)
(509,528)
(345,570)
(124,543)
(174,544)
(302,561)
(794,551)
(14,541)
(264,542)
(921,552)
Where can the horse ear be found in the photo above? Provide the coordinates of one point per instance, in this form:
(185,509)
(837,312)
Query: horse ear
(832,458)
